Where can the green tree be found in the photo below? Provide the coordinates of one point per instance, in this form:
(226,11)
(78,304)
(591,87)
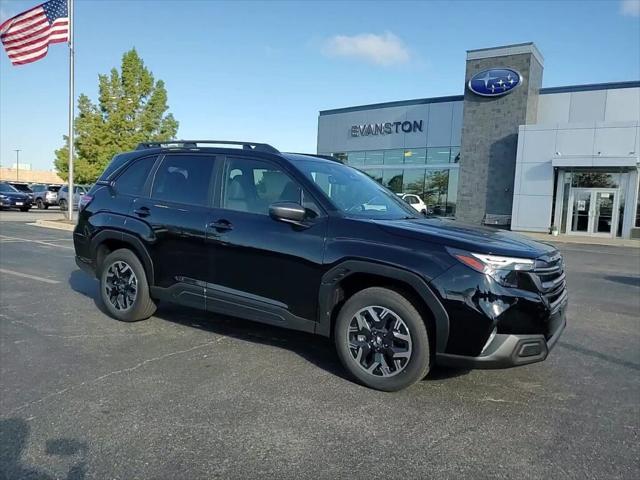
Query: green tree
(131,109)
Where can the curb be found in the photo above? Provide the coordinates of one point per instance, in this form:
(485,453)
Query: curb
(54,225)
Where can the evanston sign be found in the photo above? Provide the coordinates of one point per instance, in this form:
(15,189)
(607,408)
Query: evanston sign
(385,128)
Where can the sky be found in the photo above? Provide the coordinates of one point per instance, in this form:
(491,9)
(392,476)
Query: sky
(261,71)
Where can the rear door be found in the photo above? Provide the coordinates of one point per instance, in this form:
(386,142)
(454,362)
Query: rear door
(264,269)
(177,211)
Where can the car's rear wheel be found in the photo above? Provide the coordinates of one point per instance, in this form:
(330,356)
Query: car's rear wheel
(124,288)
(39,204)
(382,339)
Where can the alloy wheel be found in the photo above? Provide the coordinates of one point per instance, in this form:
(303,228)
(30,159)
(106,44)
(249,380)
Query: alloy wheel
(121,285)
(379,341)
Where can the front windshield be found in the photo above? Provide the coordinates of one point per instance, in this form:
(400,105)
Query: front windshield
(5,187)
(354,193)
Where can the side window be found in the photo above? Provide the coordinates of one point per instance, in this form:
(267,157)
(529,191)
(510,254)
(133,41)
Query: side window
(184,179)
(253,185)
(131,181)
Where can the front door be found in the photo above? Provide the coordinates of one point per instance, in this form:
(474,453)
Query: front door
(265,269)
(593,211)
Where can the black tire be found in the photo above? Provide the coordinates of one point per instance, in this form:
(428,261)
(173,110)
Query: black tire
(63,205)
(40,204)
(24,209)
(415,369)
(143,306)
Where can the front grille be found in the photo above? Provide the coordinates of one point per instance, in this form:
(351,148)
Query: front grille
(550,275)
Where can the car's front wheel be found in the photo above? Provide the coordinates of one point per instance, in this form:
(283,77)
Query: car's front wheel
(382,339)
(124,287)
(39,204)
(63,205)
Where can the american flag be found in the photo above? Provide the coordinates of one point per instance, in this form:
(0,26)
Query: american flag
(26,37)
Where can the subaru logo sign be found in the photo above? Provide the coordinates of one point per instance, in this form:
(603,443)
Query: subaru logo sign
(494,82)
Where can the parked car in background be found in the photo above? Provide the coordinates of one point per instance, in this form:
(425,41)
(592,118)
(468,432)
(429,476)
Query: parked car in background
(45,195)
(63,196)
(22,187)
(312,244)
(415,201)
(10,197)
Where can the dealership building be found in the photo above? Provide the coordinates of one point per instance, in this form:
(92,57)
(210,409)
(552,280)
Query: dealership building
(508,152)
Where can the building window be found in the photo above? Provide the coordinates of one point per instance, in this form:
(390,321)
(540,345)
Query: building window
(415,155)
(356,159)
(435,191)
(413,182)
(375,157)
(438,155)
(455,155)
(341,157)
(452,193)
(393,157)
(392,179)
(375,174)
(595,180)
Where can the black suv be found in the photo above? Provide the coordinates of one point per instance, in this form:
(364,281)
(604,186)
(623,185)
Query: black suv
(308,243)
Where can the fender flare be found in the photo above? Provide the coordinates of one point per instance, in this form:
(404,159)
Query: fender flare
(329,288)
(133,241)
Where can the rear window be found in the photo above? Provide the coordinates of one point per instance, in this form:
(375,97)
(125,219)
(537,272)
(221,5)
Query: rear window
(184,179)
(116,162)
(53,188)
(133,179)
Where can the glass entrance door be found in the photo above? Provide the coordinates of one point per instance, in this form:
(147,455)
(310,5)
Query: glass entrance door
(593,211)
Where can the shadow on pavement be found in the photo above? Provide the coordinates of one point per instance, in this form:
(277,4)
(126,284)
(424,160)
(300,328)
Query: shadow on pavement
(316,349)
(632,280)
(14,433)
(601,356)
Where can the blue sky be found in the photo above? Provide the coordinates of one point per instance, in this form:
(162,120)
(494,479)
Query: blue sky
(262,71)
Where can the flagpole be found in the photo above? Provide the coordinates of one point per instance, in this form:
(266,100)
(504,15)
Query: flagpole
(71,111)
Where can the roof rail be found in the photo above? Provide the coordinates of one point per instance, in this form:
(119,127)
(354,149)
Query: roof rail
(317,155)
(262,147)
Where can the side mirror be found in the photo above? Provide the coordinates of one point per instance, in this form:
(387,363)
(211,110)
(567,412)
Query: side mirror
(288,212)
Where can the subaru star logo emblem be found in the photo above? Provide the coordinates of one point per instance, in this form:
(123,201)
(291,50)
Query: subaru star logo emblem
(494,82)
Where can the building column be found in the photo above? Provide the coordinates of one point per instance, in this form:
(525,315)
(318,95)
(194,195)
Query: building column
(490,133)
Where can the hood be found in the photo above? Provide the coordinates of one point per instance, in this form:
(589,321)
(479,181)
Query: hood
(468,237)
(15,195)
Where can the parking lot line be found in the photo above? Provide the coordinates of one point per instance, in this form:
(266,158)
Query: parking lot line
(4,237)
(26,275)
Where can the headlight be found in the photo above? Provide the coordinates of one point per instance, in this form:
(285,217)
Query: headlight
(502,269)
(3,197)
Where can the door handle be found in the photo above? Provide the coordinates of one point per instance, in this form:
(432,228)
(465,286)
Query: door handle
(142,211)
(221,225)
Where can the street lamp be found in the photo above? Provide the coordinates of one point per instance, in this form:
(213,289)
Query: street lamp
(17,150)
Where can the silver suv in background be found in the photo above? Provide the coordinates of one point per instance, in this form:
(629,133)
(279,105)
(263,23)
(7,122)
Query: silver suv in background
(45,195)
(63,196)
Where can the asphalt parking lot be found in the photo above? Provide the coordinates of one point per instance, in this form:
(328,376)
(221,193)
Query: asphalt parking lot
(189,395)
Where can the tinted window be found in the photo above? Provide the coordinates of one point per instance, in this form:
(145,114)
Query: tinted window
(5,187)
(355,193)
(184,179)
(253,185)
(132,180)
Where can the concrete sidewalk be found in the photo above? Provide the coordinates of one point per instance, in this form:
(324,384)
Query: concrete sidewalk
(584,240)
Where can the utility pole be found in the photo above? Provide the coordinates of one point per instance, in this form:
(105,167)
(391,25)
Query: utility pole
(17,150)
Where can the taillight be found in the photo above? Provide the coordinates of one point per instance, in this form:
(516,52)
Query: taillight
(84,201)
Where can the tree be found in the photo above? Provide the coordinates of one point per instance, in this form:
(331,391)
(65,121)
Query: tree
(131,109)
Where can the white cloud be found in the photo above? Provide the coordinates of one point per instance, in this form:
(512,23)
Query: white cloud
(385,50)
(630,7)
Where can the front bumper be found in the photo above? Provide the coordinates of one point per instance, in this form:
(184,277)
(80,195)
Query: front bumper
(13,203)
(511,350)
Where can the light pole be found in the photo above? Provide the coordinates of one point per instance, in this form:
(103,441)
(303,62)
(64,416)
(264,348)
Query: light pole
(17,150)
